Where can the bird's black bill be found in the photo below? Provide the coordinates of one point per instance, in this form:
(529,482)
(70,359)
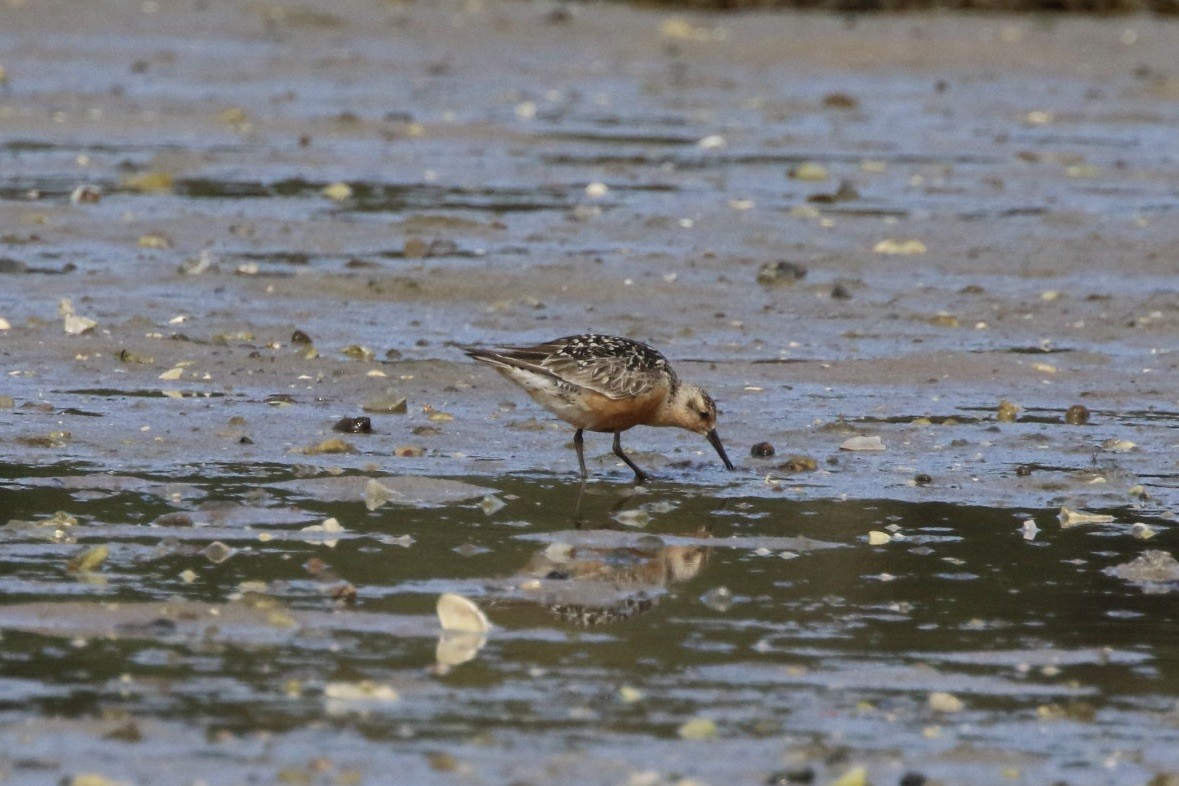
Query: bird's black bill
(714,440)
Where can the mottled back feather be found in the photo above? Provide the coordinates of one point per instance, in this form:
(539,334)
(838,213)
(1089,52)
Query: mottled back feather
(617,368)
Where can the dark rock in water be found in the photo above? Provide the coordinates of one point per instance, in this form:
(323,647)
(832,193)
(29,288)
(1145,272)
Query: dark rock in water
(299,337)
(1077,415)
(358,425)
(762,450)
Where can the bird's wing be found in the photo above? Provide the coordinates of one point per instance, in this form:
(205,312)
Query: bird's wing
(617,368)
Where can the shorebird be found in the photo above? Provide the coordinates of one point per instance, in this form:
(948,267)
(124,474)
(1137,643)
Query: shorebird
(606,384)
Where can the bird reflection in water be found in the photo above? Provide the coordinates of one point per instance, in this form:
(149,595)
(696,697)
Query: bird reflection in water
(596,580)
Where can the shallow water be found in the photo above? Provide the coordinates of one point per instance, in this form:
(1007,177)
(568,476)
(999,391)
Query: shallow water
(821,655)
(713,627)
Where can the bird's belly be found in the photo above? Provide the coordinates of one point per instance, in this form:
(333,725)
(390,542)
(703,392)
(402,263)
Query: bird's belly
(595,412)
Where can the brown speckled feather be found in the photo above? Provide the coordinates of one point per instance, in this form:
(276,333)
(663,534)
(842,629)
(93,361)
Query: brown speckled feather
(617,368)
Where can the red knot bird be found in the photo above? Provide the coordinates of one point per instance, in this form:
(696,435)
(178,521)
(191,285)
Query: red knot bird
(607,384)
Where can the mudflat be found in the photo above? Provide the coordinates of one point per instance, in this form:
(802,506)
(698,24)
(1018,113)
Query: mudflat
(226,226)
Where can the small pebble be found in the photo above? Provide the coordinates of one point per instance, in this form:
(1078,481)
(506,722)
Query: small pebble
(943,319)
(781,272)
(856,776)
(940,701)
(840,101)
(922,479)
(808,171)
(332,445)
(1141,531)
(415,248)
(762,450)
(1008,412)
(899,247)
(1023,470)
(217,552)
(799,464)
(785,777)
(338,192)
(491,505)
(85,194)
(698,729)
(628,694)
(1077,415)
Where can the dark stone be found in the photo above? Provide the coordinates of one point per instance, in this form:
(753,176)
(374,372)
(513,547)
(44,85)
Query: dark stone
(762,450)
(359,425)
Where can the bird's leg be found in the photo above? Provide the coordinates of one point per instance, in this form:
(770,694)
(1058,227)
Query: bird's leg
(579,442)
(640,476)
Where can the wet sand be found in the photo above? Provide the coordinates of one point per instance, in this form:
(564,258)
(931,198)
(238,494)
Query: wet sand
(1032,160)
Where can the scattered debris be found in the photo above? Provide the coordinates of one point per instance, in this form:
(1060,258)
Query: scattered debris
(1029,529)
(391,402)
(780,272)
(862,443)
(1071,518)
(940,701)
(698,729)
(899,247)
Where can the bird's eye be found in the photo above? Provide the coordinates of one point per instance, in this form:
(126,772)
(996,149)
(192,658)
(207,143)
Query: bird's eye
(703,413)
